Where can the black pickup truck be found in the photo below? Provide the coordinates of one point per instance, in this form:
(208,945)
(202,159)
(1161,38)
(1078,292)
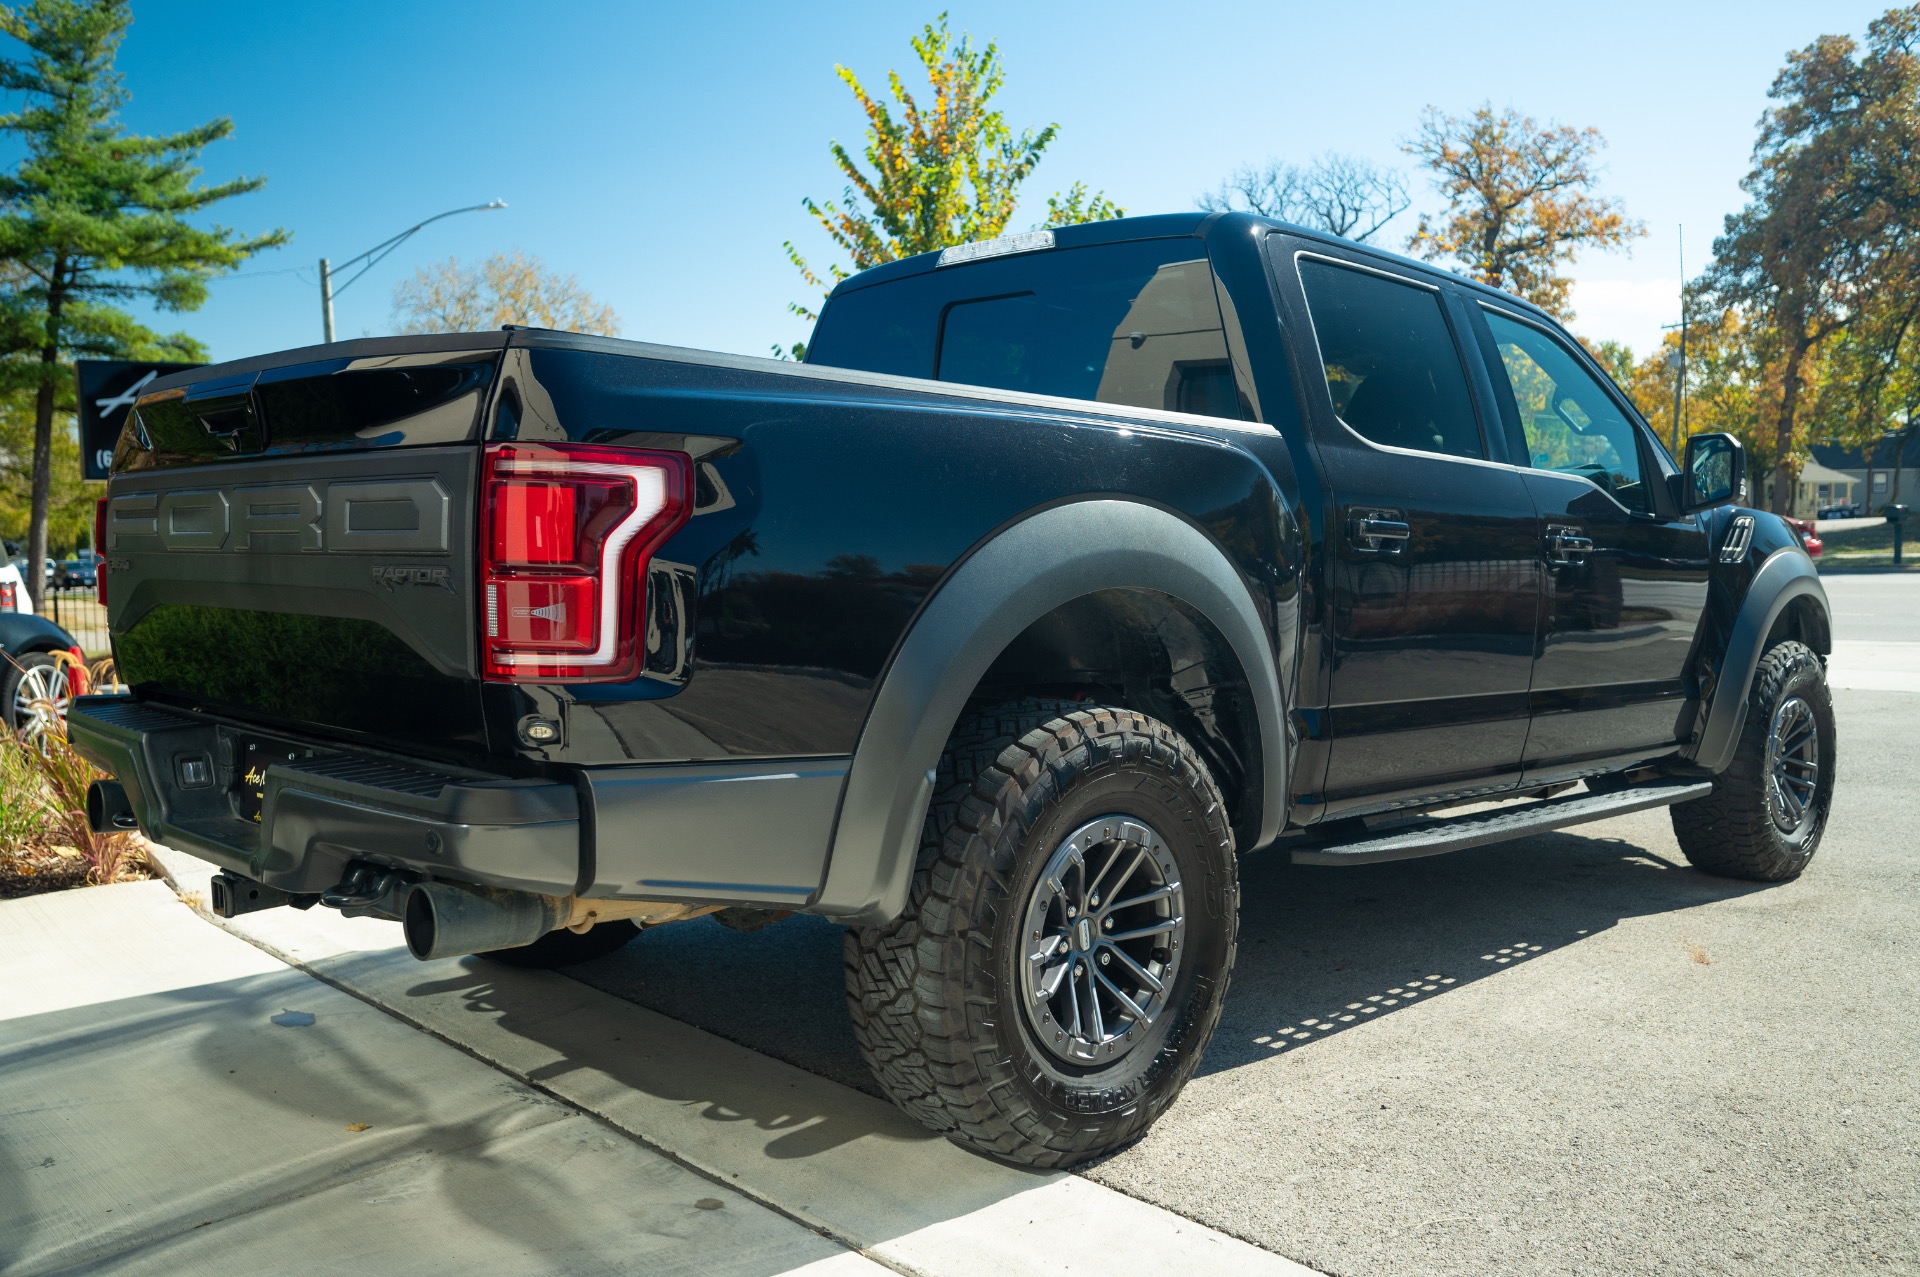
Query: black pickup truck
(1069,566)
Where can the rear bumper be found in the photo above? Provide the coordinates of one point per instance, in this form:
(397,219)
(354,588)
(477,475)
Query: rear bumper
(736,832)
(328,807)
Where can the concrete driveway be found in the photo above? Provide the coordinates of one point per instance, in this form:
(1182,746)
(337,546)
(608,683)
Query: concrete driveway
(1572,1053)
(1567,1054)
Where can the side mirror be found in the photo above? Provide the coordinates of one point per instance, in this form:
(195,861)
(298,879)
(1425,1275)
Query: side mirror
(1714,472)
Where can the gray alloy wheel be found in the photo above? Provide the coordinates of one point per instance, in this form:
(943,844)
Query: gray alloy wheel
(1104,924)
(1793,765)
(38,696)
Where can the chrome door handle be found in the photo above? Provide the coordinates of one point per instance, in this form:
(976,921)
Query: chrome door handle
(1567,548)
(1381,532)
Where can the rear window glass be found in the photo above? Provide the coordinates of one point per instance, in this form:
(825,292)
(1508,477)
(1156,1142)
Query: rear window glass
(1392,368)
(1136,324)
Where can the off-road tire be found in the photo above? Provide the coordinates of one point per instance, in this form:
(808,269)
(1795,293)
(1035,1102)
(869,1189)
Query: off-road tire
(1731,831)
(936,996)
(564,948)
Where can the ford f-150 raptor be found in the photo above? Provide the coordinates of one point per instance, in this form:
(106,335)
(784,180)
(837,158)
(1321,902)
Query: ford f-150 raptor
(1067,567)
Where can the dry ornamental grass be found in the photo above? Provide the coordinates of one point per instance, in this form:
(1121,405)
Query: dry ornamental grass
(45,844)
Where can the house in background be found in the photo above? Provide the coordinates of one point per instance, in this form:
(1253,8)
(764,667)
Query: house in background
(1818,488)
(1888,472)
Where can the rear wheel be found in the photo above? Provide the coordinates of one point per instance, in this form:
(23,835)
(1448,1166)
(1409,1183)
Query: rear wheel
(564,948)
(1064,953)
(1767,811)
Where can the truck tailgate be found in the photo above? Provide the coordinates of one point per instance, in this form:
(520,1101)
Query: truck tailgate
(293,542)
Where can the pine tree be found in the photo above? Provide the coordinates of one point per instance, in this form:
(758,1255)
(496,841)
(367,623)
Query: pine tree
(94,215)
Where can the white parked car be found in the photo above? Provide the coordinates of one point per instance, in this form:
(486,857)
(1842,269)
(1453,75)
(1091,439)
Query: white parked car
(13,590)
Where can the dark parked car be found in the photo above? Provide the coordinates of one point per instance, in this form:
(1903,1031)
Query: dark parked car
(41,670)
(74,572)
(1068,567)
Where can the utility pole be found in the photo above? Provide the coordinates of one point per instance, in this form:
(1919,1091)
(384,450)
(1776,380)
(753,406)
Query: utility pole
(1680,389)
(326,299)
(372,257)
(1677,359)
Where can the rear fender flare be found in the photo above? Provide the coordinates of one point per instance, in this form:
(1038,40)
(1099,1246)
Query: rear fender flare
(1787,574)
(1048,559)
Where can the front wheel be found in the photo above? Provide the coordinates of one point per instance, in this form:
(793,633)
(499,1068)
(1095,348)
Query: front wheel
(1768,809)
(1064,953)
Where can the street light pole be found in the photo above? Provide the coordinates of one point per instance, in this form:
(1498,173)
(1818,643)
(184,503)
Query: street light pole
(372,258)
(326,299)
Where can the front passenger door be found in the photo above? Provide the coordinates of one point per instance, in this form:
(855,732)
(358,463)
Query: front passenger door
(1625,572)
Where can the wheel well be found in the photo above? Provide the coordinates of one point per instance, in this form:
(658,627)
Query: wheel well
(1804,621)
(1150,652)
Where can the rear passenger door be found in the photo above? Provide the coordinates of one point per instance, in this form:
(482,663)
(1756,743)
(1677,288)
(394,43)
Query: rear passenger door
(1625,570)
(1432,544)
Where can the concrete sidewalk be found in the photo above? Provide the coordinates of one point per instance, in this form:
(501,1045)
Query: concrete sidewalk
(175,1100)
(846,1164)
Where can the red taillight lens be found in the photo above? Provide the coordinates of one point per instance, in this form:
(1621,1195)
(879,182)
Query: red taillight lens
(566,534)
(100,550)
(9,601)
(77,672)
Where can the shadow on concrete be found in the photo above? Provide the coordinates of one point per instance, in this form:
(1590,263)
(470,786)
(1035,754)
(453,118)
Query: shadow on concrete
(522,1004)
(1321,949)
(1325,949)
(132,1124)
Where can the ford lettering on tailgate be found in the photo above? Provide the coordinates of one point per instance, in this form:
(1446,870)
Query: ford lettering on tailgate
(379,516)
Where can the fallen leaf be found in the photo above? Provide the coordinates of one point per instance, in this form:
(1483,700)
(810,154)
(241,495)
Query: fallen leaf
(357,1127)
(1699,955)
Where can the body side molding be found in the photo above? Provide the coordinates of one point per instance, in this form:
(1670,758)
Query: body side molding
(1051,558)
(1786,575)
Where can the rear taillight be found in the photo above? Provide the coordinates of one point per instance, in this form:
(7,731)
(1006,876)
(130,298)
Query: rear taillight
(100,550)
(565,535)
(77,672)
(9,599)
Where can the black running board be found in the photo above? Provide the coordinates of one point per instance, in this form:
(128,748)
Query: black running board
(1431,837)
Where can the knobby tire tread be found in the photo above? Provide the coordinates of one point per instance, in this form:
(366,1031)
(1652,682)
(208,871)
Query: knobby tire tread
(1728,832)
(910,1008)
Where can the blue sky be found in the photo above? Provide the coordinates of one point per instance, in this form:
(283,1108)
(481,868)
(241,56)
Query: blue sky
(660,152)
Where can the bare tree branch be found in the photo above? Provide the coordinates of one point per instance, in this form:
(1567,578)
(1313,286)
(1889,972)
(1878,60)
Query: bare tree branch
(1340,194)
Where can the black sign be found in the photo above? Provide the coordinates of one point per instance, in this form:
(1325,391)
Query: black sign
(108,388)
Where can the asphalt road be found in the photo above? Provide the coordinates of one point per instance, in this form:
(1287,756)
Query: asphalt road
(1571,1053)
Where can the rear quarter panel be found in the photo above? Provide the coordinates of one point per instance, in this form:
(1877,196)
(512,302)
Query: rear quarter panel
(830,507)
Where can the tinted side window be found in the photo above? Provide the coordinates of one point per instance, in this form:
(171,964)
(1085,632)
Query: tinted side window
(1570,422)
(1135,323)
(1392,368)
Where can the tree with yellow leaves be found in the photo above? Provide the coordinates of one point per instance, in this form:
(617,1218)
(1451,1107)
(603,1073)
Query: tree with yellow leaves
(943,174)
(1824,254)
(1520,200)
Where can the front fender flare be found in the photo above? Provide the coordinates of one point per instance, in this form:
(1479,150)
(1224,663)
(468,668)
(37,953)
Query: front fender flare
(1786,575)
(1053,557)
